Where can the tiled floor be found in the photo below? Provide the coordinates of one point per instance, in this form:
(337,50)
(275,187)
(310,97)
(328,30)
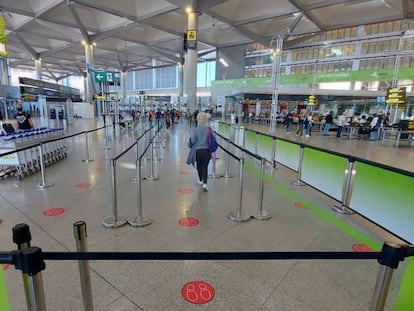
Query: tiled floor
(157,285)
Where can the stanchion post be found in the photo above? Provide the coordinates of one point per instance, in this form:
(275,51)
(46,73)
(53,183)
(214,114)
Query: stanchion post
(152,177)
(43,184)
(139,221)
(257,143)
(244,137)
(79,230)
(238,216)
(227,166)
(273,156)
(261,214)
(114,221)
(33,284)
(213,159)
(298,181)
(136,160)
(343,208)
(391,255)
(87,149)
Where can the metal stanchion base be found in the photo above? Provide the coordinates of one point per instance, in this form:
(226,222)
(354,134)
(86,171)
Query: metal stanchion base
(151,178)
(263,215)
(298,183)
(341,209)
(109,222)
(226,176)
(137,221)
(134,179)
(214,176)
(87,160)
(236,218)
(43,186)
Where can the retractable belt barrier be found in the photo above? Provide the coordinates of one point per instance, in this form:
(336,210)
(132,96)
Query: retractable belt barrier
(261,214)
(31,261)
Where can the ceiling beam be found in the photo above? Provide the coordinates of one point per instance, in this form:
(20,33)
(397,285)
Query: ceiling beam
(49,7)
(57,50)
(295,22)
(247,33)
(27,46)
(323,4)
(307,14)
(80,24)
(109,33)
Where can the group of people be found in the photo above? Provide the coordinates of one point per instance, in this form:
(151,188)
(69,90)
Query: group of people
(368,124)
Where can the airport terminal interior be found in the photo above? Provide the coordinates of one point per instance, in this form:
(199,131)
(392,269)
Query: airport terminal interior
(307,204)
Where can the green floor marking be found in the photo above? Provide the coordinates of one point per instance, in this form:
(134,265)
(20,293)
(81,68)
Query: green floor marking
(405,298)
(4,305)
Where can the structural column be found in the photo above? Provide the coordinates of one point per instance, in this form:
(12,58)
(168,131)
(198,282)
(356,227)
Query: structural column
(124,86)
(89,59)
(180,80)
(38,66)
(190,74)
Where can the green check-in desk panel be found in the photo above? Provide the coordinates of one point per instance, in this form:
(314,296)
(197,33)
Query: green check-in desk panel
(324,171)
(386,198)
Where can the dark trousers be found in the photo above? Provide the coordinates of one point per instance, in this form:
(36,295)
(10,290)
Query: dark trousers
(203,156)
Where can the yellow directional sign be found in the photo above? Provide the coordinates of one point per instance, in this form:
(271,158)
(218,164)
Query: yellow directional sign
(191,35)
(311,100)
(396,96)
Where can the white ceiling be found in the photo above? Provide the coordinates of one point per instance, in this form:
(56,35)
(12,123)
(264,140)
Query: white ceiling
(136,34)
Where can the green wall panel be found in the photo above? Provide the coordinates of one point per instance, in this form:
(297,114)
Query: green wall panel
(287,154)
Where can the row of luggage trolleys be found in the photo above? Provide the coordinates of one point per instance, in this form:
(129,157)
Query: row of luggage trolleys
(26,162)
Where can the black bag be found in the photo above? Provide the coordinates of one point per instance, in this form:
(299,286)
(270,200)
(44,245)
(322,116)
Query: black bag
(8,128)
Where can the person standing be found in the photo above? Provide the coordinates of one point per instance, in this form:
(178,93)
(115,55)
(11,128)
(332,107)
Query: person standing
(199,140)
(328,123)
(233,118)
(340,124)
(24,121)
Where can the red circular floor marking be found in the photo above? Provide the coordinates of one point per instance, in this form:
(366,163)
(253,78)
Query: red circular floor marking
(185,190)
(100,169)
(54,211)
(82,184)
(197,292)
(361,248)
(186,173)
(300,205)
(188,222)
(5,266)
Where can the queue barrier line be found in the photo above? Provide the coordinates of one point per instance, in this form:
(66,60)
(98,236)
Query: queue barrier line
(30,261)
(114,221)
(346,201)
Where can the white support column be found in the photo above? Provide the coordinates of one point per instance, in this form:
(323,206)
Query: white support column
(38,68)
(89,59)
(180,80)
(190,74)
(124,86)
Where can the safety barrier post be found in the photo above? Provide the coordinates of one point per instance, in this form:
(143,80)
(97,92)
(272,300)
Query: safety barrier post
(298,181)
(391,255)
(273,165)
(153,176)
(114,221)
(106,138)
(159,146)
(134,178)
(139,221)
(244,137)
(33,284)
(238,217)
(43,184)
(346,189)
(227,174)
(257,143)
(87,149)
(261,214)
(79,231)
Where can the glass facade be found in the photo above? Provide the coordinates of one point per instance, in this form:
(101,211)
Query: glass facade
(369,47)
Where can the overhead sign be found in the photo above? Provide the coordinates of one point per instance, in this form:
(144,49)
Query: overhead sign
(311,100)
(396,96)
(104,77)
(191,39)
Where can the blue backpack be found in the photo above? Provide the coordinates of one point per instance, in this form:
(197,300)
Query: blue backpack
(211,141)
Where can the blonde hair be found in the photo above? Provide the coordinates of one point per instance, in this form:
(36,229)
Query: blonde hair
(203,118)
